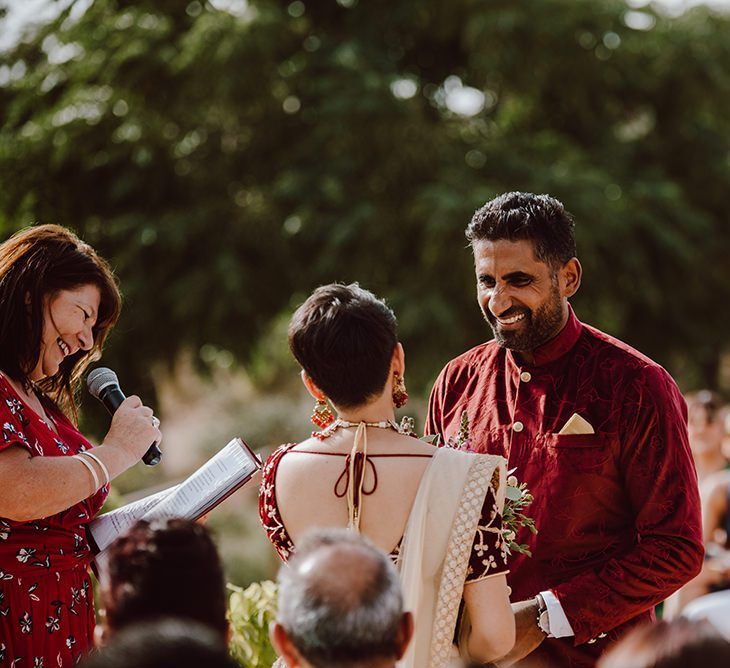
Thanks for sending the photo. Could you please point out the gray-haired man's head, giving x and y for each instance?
(340, 605)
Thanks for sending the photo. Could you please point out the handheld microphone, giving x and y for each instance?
(103, 384)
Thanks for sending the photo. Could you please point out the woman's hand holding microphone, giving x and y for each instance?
(133, 429)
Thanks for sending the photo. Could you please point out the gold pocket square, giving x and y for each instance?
(576, 425)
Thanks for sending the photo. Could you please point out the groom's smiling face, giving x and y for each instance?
(520, 296)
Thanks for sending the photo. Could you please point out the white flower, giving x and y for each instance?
(26, 623)
(512, 481)
(25, 554)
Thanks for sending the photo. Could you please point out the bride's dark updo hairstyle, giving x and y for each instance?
(344, 337)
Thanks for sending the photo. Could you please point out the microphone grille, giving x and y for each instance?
(100, 378)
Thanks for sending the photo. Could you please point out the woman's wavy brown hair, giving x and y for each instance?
(36, 263)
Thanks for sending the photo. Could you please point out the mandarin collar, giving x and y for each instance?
(556, 347)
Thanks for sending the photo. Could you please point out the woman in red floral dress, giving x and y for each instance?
(58, 300)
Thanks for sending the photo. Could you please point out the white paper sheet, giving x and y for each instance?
(105, 528)
(203, 490)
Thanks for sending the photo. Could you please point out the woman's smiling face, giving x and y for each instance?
(68, 319)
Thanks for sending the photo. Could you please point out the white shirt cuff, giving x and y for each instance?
(559, 625)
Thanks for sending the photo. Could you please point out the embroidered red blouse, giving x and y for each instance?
(617, 511)
(487, 555)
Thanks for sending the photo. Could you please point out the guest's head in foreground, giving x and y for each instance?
(345, 339)
(340, 605)
(526, 267)
(171, 643)
(165, 568)
(678, 644)
(58, 301)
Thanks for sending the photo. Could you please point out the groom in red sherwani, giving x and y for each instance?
(597, 431)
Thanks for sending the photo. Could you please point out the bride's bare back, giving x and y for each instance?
(305, 484)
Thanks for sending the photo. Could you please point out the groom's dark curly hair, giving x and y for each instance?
(519, 216)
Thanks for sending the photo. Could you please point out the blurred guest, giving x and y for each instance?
(706, 433)
(714, 608)
(725, 417)
(58, 302)
(716, 517)
(715, 573)
(678, 644)
(367, 472)
(164, 644)
(165, 568)
(340, 605)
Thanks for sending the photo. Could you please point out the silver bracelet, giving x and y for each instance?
(89, 466)
(101, 464)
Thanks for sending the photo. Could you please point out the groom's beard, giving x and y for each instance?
(536, 328)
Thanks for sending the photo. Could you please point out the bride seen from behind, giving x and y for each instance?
(436, 511)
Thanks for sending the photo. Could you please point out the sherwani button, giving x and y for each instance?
(525, 376)
(592, 640)
(518, 426)
(602, 635)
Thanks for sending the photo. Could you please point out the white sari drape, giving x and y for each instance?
(436, 547)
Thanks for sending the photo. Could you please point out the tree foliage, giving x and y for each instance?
(229, 156)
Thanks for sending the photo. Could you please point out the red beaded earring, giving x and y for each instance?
(400, 396)
(322, 416)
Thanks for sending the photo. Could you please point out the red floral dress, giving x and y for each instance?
(46, 603)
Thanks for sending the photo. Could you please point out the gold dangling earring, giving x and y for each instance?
(322, 416)
(400, 396)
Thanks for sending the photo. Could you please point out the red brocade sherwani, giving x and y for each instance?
(617, 511)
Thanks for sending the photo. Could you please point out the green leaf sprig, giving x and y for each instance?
(517, 498)
(250, 611)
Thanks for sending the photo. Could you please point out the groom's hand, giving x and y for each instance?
(528, 633)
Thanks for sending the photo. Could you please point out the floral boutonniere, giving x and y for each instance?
(462, 441)
(517, 498)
